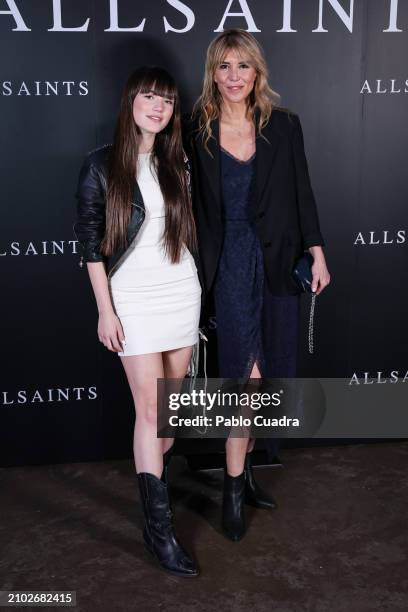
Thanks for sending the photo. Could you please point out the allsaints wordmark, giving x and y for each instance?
(42, 396)
(381, 237)
(379, 378)
(228, 12)
(44, 88)
(45, 247)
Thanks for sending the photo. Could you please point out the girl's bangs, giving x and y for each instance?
(160, 85)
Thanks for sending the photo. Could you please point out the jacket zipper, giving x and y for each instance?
(81, 261)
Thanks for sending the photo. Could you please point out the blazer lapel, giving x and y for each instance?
(211, 163)
(266, 148)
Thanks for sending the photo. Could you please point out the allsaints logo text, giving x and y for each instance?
(381, 237)
(229, 11)
(46, 247)
(41, 396)
(383, 86)
(44, 88)
(379, 378)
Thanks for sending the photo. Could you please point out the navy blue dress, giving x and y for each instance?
(252, 324)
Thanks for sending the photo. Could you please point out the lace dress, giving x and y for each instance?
(252, 324)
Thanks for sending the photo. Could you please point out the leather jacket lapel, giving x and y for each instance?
(138, 213)
(137, 196)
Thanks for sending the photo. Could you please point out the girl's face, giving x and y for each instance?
(235, 77)
(151, 112)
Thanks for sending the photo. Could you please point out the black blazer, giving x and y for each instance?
(284, 211)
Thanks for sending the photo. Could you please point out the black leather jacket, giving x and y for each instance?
(89, 227)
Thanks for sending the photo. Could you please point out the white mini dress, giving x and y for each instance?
(158, 302)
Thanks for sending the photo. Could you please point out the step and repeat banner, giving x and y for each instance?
(341, 65)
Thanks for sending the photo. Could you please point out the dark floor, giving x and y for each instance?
(337, 542)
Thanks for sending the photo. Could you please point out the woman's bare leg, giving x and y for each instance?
(142, 372)
(236, 448)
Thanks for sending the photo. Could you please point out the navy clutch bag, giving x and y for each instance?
(302, 274)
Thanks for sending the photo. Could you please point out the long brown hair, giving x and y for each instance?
(168, 158)
(262, 97)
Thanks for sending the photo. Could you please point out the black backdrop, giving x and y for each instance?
(63, 396)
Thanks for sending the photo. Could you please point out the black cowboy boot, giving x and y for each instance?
(166, 462)
(165, 474)
(254, 495)
(158, 533)
(233, 516)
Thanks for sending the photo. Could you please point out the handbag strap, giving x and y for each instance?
(311, 322)
(193, 371)
(195, 359)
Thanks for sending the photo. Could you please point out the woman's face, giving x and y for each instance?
(152, 112)
(235, 77)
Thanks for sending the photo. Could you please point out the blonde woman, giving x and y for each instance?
(255, 214)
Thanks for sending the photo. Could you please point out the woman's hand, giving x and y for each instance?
(321, 276)
(110, 331)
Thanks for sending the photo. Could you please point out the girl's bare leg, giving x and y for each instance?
(142, 372)
(175, 365)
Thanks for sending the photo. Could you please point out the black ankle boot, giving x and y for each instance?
(158, 534)
(254, 496)
(233, 516)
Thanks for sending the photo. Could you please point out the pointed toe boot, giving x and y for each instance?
(159, 534)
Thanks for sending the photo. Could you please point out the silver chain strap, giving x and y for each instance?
(193, 372)
(311, 322)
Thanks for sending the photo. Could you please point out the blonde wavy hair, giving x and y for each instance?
(262, 97)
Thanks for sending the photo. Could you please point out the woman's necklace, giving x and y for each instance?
(243, 131)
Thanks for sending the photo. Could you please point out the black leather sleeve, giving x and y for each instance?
(309, 220)
(90, 224)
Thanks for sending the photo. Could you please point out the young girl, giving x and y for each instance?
(136, 228)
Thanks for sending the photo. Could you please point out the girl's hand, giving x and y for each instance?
(321, 276)
(110, 331)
